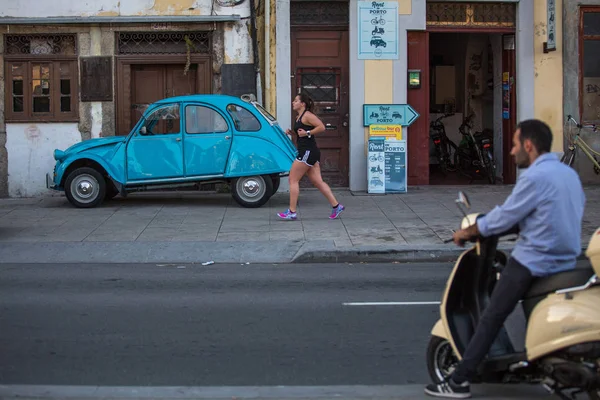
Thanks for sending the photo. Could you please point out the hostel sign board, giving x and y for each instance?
(378, 30)
(395, 166)
(389, 114)
(386, 166)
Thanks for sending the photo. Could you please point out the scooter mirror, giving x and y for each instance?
(463, 199)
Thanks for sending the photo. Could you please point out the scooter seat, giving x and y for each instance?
(562, 280)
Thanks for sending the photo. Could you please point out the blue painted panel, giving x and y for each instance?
(206, 154)
(154, 157)
(207, 140)
(253, 155)
(158, 153)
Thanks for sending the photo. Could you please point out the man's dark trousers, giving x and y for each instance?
(514, 282)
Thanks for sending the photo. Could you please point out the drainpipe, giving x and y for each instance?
(255, 51)
(268, 54)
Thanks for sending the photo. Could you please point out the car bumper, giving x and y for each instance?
(50, 181)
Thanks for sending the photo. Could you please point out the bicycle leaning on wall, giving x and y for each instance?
(573, 131)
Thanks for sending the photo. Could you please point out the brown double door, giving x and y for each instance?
(150, 83)
(320, 67)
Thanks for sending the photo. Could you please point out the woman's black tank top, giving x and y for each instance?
(305, 141)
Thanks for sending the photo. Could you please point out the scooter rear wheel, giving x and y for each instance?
(441, 360)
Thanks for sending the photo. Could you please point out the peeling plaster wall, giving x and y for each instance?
(35, 8)
(3, 147)
(548, 73)
(26, 149)
(238, 43)
(30, 157)
(571, 68)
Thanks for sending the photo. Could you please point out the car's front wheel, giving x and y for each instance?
(85, 187)
(252, 191)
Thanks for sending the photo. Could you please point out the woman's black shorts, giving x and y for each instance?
(309, 156)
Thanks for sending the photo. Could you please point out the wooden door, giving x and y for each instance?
(147, 81)
(509, 107)
(147, 86)
(179, 82)
(320, 67)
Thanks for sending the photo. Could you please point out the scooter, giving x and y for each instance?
(552, 337)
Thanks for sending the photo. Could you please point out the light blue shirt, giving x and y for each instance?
(547, 202)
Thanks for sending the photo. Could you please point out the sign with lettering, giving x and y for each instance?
(395, 166)
(389, 131)
(386, 166)
(376, 165)
(389, 114)
(378, 30)
(551, 16)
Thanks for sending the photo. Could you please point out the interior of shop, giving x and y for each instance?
(465, 95)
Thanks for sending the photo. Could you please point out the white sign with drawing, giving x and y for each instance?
(378, 30)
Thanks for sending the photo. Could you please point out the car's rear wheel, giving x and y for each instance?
(252, 191)
(85, 187)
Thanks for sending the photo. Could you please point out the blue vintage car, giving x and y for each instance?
(177, 142)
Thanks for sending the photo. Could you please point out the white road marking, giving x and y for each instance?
(394, 303)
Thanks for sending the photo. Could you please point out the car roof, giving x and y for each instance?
(217, 99)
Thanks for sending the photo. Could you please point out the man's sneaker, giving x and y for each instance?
(449, 389)
(337, 211)
(287, 215)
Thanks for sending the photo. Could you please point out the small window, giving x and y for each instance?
(44, 91)
(200, 119)
(164, 121)
(41, 78)
(264, 112)
(243, 119)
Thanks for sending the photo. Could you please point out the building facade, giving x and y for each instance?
(486, 58)
(93, 70)
(79, 70)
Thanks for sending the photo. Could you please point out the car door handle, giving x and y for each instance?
(226, 137)
(178, 139)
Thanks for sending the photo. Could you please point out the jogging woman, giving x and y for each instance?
(307, 162)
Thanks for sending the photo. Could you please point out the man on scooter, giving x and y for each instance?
(547, 203)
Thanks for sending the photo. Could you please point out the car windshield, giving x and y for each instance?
(264, 112)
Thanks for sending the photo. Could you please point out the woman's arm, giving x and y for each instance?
(315, 121)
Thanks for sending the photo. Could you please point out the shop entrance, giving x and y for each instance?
(467, 61)
(466, 97)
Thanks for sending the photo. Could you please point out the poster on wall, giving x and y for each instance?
(395, 166)
(505, 96)
(378, 30)
(376, 165)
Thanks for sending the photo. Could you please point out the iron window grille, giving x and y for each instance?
(163, 43)
(321, 84)
(471, 15)
(41, 44)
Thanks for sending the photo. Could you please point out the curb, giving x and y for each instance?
(373, 254)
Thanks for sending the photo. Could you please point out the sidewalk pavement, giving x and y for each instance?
(195, 227)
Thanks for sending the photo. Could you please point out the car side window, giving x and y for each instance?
(165, 120)
(200, 119)
(243, 119)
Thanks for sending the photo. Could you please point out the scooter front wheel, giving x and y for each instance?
(441, 360)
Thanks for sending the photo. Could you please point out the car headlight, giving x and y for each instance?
(59, 155)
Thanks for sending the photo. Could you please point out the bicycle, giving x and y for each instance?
(444, 147)
(576, 141)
